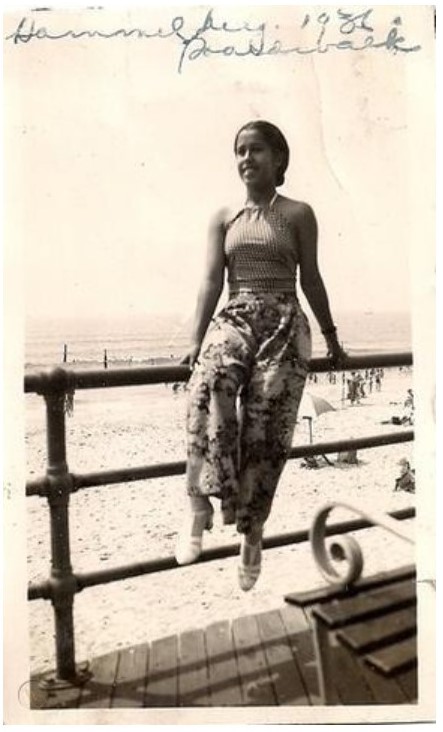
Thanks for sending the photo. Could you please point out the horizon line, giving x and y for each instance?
(180, 315)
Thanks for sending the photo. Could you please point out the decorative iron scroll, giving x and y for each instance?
(345, 551)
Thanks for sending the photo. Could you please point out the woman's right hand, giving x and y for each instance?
(191, 356)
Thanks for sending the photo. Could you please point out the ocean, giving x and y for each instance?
(150, 339)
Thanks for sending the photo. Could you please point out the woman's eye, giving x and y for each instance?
(241, 151)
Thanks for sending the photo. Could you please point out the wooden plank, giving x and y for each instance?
(63, 698)
(371, 634)
(330, 592)
(52, 698)
(350, 684)
(224, 681)
(252, 667)
(408, 682)
(97, 692)
(161, 686)
(394, 658)
(384, 689)
(285, 674)
(295, 620)
(38, 698)
(301, 640)
(193, 679)
(130, 679)
(348, 610)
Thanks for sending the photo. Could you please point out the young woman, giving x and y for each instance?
(250, 362)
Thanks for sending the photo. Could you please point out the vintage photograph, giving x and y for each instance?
(220, 387)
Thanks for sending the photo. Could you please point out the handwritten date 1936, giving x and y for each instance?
(340, 30)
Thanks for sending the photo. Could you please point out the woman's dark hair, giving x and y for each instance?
(276, 141)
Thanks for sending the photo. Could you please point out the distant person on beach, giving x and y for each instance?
(406, 479)
(409, 408)
(408, 411)
(354, 388)
(250, 362)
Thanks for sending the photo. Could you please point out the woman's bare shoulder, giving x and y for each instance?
(224, 215)
(296, 211)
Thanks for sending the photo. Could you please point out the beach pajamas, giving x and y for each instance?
(246, 386)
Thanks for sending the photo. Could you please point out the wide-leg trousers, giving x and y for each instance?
(243, 399)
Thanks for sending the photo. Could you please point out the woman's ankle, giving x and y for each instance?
(200, 503)
(255, 534)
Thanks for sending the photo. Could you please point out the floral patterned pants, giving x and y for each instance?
(243, 398)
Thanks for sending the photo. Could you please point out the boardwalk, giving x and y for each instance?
(266, 659)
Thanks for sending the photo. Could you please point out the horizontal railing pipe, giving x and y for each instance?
(357, 443)
(37, 487)
(40, 591)
(162, 470)
(114, 574)
(125, 475)
(100, 378)
(97, 379)
(368, 361)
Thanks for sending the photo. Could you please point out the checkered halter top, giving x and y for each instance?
(261, 250)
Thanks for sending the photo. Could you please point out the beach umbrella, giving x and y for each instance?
(313, 406)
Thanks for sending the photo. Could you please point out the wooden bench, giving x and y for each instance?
(365, 639)
(365, 630)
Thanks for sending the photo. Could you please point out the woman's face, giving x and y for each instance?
(257, 162)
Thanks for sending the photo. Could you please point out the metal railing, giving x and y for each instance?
(58, 483)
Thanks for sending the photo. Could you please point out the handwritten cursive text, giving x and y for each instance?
(340, 30)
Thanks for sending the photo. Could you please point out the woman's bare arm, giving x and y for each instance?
(311, 280)
(211, 286)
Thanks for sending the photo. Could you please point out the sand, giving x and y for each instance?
(120, 524)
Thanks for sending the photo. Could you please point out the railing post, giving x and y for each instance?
(62, 579)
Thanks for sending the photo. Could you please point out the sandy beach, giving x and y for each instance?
(116, 525)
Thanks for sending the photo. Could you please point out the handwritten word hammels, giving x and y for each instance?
(340, 30)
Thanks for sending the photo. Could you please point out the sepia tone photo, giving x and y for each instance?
(219, 371)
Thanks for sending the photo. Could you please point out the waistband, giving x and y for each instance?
(268, 286)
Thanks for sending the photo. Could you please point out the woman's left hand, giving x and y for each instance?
(337, 355)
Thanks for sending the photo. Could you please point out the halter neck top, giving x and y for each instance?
(261, 250)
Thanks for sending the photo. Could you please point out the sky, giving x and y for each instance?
(115, 160)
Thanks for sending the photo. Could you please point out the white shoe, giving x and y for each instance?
(190, 538)
(250, 564)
